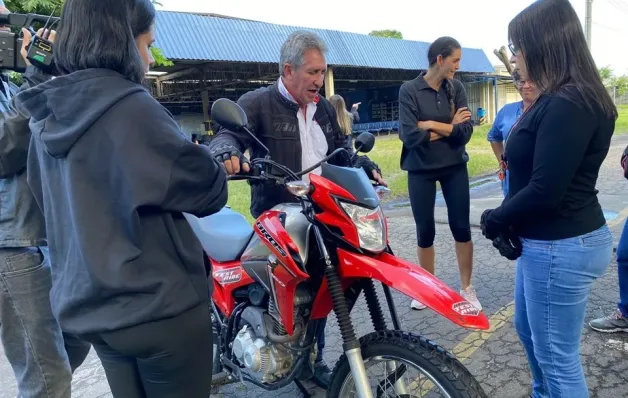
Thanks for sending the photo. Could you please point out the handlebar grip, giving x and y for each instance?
(238, 178)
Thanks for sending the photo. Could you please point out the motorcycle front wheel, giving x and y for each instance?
(413, 367)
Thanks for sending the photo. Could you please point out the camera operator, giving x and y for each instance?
(31, 337)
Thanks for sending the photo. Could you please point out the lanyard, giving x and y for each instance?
(503, 164)
(516, 123)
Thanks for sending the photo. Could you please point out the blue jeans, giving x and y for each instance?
(622, 271)
(42, 358)
(551, 291)
(505, 185)
(320, 338)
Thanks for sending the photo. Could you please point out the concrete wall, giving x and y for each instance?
(507, 94)
(190, 123)
(477, 98)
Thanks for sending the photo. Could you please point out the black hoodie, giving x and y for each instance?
(113, 173)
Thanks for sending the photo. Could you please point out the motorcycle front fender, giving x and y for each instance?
(415, 282)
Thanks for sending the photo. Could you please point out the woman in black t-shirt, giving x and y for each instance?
(553, 156)
(435, 126)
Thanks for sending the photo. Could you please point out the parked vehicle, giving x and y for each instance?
(298, 261)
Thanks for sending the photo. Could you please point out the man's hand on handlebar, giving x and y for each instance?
(378, 178)
(234, 161)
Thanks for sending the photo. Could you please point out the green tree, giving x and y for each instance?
(610, 80)
(607, 75)
(622, 85)
(43, 7)
(160, 58)
(393, 34)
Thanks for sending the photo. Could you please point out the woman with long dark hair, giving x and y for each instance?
(113, 174)
(553, 157)
(435, 126)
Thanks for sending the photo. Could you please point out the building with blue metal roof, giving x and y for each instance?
(237, 40)
(217, 56)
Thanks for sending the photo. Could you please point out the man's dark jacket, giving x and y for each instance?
(273, 120)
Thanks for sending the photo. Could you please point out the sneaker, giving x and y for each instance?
(470, 295)
(417, 305)
(615, 322)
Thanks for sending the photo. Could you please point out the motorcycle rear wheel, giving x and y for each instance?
(450, 375)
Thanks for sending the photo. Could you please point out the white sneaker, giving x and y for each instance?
(470, 295)
(417, 305)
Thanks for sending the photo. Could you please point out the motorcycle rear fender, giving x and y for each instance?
(409, 279)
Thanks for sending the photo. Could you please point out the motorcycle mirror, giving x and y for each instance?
(231, 116)
(364, 142)
(228, 114)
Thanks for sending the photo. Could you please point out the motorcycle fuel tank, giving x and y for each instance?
(256, 255)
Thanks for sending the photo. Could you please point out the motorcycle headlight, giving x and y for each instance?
(370, 224)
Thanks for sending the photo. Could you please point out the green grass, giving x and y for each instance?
(621, 125)
(387, 152)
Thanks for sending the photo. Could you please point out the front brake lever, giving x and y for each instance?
(382, 191)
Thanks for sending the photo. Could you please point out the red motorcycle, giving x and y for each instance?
(274, 280)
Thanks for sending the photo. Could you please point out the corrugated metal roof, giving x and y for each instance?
(184, 36)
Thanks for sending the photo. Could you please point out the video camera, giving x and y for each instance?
(39, 49)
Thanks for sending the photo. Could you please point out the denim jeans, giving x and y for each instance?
(320, 338)
(41, 356)
(622, 271)
(552, 287)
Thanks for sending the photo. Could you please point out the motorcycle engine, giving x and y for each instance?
(270, 361)
(254, 347)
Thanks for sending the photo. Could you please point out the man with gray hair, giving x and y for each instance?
(298, 126)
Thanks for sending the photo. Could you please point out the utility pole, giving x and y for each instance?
(588, 19)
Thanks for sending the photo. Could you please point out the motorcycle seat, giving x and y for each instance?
(224, 235)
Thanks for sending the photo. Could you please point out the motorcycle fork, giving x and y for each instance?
(379, 323)
(351, 345)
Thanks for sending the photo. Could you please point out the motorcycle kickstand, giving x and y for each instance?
(303, 389)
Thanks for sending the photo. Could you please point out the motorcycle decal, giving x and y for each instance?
(285, 273)
(269, 238)
(227, 276)
(465, 308)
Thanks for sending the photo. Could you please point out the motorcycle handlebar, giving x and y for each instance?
(287, 171)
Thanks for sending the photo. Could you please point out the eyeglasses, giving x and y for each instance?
(512, 49)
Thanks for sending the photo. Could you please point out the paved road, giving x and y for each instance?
(496, 358)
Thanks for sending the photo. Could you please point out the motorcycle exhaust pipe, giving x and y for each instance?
(281, 339)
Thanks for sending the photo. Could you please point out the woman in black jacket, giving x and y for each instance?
(553, 156)
(435, 126)
(113, 174)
